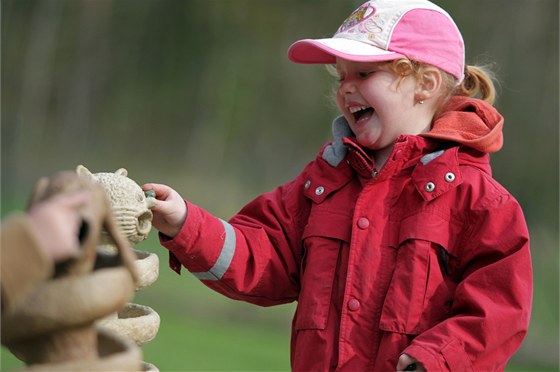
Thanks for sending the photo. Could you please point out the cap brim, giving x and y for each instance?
(325, 51)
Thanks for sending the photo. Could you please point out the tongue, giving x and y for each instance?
(364, 115)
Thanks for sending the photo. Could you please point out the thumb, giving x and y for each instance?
(406, 363)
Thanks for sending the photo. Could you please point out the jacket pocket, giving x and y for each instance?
(323, 239)
(420, 294)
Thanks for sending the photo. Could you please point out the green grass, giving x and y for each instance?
(196, 344)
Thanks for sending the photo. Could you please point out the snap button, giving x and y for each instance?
(450, 177)
(319, 190)
(363, 223)
(353, 304)
(430, 186)
(307, 184)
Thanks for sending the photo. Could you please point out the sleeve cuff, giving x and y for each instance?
(198, 245)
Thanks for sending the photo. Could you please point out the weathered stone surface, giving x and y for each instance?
(131, 208)
(81, 319)
(136, 322)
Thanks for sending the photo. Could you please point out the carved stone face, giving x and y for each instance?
(130, 207)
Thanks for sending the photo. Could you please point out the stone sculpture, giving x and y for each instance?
(54, 327)
(131, 208)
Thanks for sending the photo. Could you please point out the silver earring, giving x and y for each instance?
(421, 102)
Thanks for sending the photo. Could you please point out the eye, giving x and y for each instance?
(365, 74)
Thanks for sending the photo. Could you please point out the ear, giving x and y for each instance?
(83, 171)
(121, 172)
(429, 84)
(39, 191)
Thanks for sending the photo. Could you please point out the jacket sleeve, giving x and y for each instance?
(255, 257)
(492, 303)
(23, 263)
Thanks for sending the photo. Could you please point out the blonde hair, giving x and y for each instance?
(478, 81)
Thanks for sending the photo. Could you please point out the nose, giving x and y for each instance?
(348, 86)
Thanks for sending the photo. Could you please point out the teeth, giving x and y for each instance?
(355, 109)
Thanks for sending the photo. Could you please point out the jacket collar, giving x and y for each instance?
(344, 141)
(435, 162)
(336, 151)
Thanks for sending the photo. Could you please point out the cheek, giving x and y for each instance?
(407, 91)
(339, 100)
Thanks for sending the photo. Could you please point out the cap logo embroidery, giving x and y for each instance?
(358, 16)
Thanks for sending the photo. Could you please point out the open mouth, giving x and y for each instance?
(361, 112)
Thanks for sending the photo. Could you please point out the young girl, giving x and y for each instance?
(401, 250)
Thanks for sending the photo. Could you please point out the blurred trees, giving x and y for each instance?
(199, 94)
(170, 87)
(175, 87)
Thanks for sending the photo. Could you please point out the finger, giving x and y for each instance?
(162, 191)
(148, 186)
(165, 207)
(153, 186)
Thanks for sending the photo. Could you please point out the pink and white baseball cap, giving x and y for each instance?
(384, 30)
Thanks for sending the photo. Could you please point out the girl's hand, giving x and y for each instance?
(170, 211)
(407, 363)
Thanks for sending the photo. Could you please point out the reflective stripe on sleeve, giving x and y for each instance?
(226, 255)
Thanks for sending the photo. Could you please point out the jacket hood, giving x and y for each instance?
(470, 122)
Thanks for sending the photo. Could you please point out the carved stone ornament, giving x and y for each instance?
(131, 208)
(81, 318)
(54, 327)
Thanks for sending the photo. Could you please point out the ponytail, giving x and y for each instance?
(478, 82)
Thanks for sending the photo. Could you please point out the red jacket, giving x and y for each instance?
(428, 257)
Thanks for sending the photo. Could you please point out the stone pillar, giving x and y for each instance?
(131, 209)
(138, 323)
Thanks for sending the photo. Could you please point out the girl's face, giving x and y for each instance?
(378, 104)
